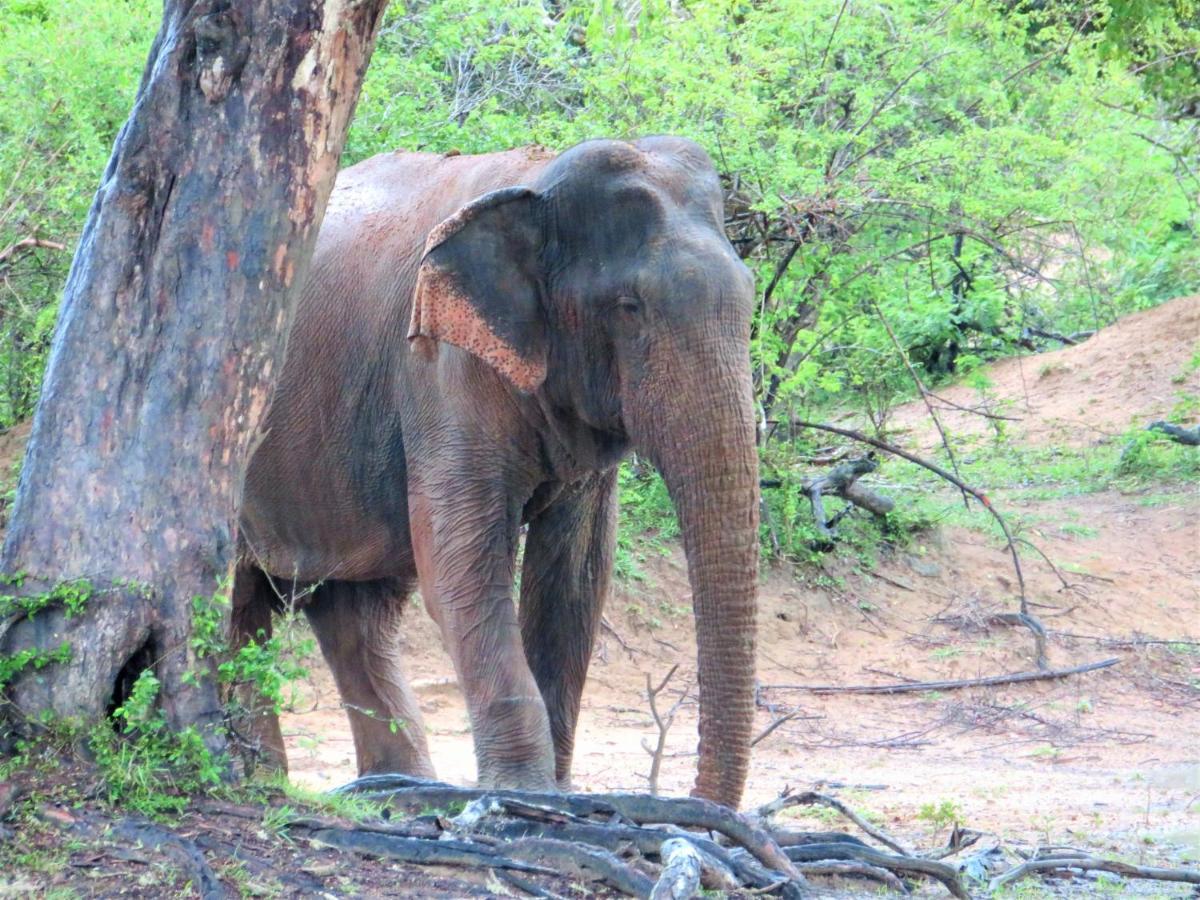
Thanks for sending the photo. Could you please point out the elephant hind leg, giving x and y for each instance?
(357, 625)
(261, 738)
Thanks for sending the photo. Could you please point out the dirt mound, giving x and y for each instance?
(1126, 375)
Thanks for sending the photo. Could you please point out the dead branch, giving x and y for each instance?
(1069, 340)
(918, 686)
(812, 798)
(581, 861)
(612, 839)
(1125, 642)
(766, 732)
(720, 868)
(1084, 863)
(842, 481)
(663, 723)
(680, 878)
(1035, 628)
(962, 486)
(1187, 436)
(418, 850)
(25, 245)
(856, 870)
(608, 626)
(908, 865)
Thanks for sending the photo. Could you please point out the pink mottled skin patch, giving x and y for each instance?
(444, 313)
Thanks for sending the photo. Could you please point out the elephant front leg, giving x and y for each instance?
(564, 583)
(465, 547)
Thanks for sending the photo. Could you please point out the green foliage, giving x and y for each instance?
(1150, 456)
(647, 519)
(72, 596)
(963, 173)
(905, 179)
(149, 765)
(69, 70)
(271, 665)
(946, 814)
(13, 664)
(146, 764)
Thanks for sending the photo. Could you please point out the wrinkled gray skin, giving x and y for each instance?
(480, 341)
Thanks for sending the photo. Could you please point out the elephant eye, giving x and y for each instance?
(629, 306)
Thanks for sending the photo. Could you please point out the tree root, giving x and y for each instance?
(901, 865)
(809, 798)
(596, 836)
(1085, 863)
(139, 832)
(684, 812)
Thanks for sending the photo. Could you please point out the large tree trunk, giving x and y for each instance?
(172, 332)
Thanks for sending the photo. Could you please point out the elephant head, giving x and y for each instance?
(608, 287)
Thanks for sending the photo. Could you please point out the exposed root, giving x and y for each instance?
(1066, 862)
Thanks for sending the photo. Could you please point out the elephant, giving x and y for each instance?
(478, 342)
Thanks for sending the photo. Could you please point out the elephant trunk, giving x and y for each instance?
(705, 450)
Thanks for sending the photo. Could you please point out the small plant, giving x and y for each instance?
(72, 596)
(146, 764)
(946, 814)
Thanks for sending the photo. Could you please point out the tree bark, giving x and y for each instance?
(173, 329)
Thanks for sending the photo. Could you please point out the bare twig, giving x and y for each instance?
(912, 373)
(766, 732)
(919, 686)
(24, 245)
(663, 723)
(961, 485)
(812, 798)
(608, 626)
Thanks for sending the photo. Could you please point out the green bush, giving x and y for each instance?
(938, 178)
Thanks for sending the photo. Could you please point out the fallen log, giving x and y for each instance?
(1187, 436)
(680, 878)
(581, 862)
(850, 868)
(904, 865)
(909, 687)
(812, 798)
(841, 482)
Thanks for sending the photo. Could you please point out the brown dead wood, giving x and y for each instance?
(1065, 862)
(918, 686)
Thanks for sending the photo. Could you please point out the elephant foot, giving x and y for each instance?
(535, 775)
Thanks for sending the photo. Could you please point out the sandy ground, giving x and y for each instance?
(1108, 760)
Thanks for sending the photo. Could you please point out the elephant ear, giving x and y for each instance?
(477, 286)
